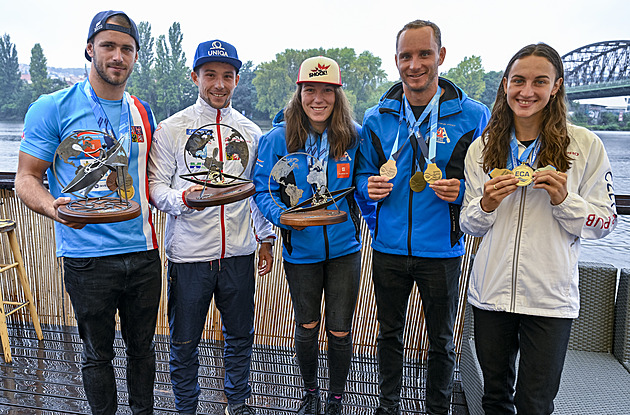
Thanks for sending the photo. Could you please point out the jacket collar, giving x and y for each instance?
(202, 107)
(450, 101)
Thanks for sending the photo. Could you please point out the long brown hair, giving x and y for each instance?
(342, 133)
(554, 136)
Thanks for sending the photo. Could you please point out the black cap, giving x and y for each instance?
(99, 24)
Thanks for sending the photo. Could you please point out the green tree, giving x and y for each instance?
(142, 82)
(10, 82)
(39, 72)
(361, 76)
(492, 80)
(468, 75)
(245, 96)
(175, 90)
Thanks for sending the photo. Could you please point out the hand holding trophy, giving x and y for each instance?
(93, 159)
(221, 180)
(311, 211)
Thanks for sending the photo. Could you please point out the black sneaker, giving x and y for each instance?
(310, 404)
(381, 410)
(240, 409)
(333, 408)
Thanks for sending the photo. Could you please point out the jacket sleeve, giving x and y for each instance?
(483, 121)
(262, 227)
(367, 162)
(590, 213)
(162, 174)
(267, 157)
(473, 220)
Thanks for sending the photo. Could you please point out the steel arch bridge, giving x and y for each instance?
(598, 70)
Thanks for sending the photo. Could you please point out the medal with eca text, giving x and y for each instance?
(521, 164)
(417, 182)
(524, 174)
(389, 169)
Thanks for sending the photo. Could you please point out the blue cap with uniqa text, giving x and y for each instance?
(216, 51)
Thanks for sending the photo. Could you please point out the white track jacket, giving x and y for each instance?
(215, 232)
(527, 262)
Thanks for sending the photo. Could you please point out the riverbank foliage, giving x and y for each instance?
(162, 78)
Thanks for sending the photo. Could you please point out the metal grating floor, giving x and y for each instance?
(45, 378)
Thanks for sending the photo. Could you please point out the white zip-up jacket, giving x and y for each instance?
(527, 262)
(215, 232)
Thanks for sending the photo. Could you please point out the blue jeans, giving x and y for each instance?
(131, 284)
(338, 279)
(191, 287)
(438, 282)
(543, 345)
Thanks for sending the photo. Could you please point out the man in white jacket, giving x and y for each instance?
(210, 251)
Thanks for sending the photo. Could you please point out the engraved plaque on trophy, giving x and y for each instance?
(222, 180)
(313, 210)
(101, 186)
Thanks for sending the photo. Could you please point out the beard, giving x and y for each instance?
(101, 70)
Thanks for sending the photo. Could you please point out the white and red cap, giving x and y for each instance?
(319, 69)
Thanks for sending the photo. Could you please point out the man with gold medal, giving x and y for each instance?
(411, 162)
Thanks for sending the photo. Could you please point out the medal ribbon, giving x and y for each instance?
(124, 127)
(320, 154)
(413, 126)
(531, 150)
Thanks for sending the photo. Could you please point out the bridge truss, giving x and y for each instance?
(598, 70)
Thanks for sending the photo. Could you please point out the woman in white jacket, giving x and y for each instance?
(535, 185)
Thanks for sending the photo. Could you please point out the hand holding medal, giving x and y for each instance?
(554, 182)
(503, 184)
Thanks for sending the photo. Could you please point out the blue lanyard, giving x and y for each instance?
(320, 153)
(124, 127)
(532, 150)
(413, 125)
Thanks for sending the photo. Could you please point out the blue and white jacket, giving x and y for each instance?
(313, 243)
(409, 223)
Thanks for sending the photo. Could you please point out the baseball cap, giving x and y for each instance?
(98, 24)
(319, 69)
(216, 51)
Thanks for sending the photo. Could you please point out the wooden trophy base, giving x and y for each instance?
(317, 217)
(215, 196)
(99, 210)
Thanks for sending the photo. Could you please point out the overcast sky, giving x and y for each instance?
(491, 29)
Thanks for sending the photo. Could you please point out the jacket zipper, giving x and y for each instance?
(517, 244)
(222, 207)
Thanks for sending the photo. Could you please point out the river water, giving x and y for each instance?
(614, 249)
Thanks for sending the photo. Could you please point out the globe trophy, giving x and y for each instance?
(93, 159)
(221, 180)
(313, 210)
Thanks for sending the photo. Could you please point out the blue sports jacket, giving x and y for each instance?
(418, 223)
(313, 243)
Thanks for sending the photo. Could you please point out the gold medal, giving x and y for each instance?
(524, 174)
(417, 182)
(128, 195)
(115, 183)
(389, 169)
(500, 172)
(548, 167)
(432, 173)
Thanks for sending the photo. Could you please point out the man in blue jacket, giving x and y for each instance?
(413, 146)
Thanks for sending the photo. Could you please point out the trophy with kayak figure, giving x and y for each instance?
(101, 187)
(218, 171)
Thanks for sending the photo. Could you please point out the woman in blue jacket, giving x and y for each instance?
(317, 259)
